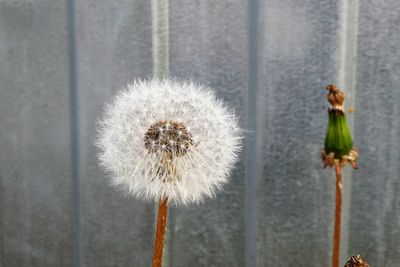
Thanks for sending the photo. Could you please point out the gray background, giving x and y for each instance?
(61, 60)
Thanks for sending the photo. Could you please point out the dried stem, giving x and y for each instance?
(160, 232)
(338, 216)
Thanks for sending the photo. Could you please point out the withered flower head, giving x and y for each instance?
(335, 96)
(165, 138)
(356, 261)
(338, 140)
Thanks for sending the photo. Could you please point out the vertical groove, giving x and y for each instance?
(347, 81)
(160, 51)
(250, 145)
(74, 132)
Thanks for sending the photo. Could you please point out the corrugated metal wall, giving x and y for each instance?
(61, 60)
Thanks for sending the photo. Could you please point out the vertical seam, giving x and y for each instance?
(74, 133)
(250, 144)
(160, 33)
(160, 51)
(347, 80)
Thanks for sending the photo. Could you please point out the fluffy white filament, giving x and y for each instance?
(216, 140)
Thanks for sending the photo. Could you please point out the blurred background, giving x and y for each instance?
(269, 59)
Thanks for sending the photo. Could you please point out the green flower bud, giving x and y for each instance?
(338, 142)
(338, 137)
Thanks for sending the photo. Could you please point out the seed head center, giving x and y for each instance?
(168, 137)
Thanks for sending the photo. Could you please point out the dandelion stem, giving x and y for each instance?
(338, 215)
(160, 232)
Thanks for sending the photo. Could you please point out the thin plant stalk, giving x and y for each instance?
(338, 216)
(160, 232)
(337, 152)
(162, 215)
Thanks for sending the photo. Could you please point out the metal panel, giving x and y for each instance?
(375, 202)
(113, 47)
(36, 215)
(297, 57)
(208, 42)
(270, 60)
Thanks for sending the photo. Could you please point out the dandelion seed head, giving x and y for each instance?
(166, 138)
